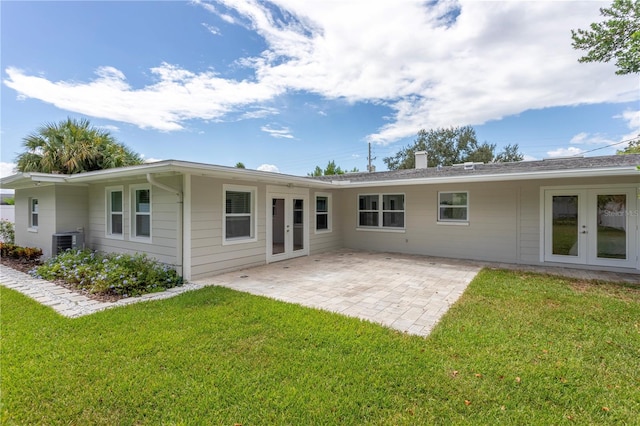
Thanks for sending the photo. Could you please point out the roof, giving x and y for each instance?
(612, 165)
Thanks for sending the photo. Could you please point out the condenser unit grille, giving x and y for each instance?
(66, 241)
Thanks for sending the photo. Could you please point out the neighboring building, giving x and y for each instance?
(208, 219)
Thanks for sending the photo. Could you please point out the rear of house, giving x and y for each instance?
(206, 219)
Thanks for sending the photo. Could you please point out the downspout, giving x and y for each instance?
(179, 236)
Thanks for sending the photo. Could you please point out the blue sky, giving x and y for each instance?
(288, 85)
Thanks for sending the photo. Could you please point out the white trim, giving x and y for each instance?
(380, 210)
(588, 194)
(288, 194)
(253, 190)
(186, 227)
(30, 226)
(454, 221)
(329, 213)
(133, 213)
(107, 212)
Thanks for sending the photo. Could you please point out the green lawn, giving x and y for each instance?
(516, 349)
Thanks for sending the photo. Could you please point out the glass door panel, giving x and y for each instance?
(565, 225)
(278, 226)
(611, 236)
(298, 224)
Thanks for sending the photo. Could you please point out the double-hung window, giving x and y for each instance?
(115, 212)
(239, 223)
(141, 212)
(453, 207)
(384, 211)
(323, 212)
(33, 213)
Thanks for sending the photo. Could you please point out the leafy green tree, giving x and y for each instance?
(618, 36)
(632, 148)
(510, 153)
(73, 146)
(447, 146)
(240, 165)
(331, 169)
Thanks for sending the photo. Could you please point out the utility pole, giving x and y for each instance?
(370, 168)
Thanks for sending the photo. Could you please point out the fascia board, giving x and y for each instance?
(557, 174)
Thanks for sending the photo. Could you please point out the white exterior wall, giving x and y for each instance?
(40, 237)
(490, 235)
(164, 221)
(321, 241)
(504, 220)
(72, 208)
(208, 253)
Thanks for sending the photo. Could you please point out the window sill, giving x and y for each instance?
(146, 240)
(34, 230)
(378, 229)
(116, 237)
(322, 231)
(452, 223)
(239, 240)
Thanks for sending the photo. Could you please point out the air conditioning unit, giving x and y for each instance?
(66, 241)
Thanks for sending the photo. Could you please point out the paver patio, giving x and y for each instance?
(407, 293)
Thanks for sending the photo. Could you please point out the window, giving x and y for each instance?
(141, 212)
(381, 211)
(114, 212)
(453, 206)
(33, 213)
(239, 214)
(323, 215)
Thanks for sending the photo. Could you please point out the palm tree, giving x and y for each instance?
(73, 146)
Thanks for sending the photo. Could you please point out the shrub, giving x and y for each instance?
(114, 274)
(27, 254)
(7, 232)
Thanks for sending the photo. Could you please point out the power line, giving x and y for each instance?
(606, 146)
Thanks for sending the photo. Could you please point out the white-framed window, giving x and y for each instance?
(323, 212)
(114, 212)
(141, 211)
(239, 222)
(383, 211)
(33, 213)
(453, 207)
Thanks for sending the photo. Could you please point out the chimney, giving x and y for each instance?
(421, 159)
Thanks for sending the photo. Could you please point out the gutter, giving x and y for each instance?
(179, 220)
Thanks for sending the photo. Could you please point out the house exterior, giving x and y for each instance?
(206, 219)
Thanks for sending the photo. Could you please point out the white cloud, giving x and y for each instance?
(493, 60)
(213, 30)
(109, 127)
(268, 168)
(282, 132)
(590, 139)
(565, 152)
(7, 169)
(152, 160)
(633, 122)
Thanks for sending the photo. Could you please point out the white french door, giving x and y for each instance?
(287, 223)
(594, 226)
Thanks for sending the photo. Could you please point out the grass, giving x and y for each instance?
(516, 349)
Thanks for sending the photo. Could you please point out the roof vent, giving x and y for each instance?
(469, 165)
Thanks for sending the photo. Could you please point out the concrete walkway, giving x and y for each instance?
(404, 292)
